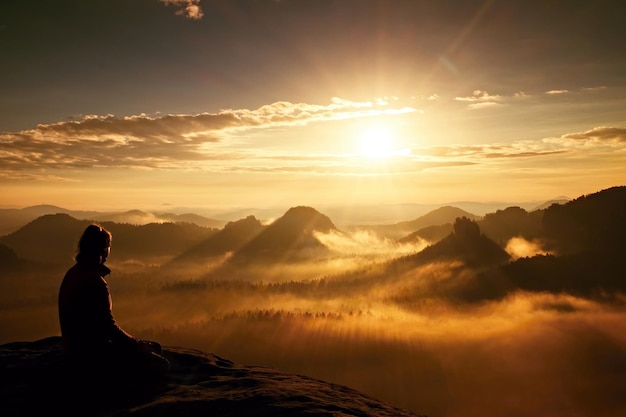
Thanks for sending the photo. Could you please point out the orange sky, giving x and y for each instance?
(199, 103)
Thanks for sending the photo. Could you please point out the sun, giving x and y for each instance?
(376, 143)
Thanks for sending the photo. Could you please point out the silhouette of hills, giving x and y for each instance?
(139, 217)
(440, 216)
(466, 244)
(432, 234)
(511, 222)
(594, 222)
(33, 382)
(52, 239)
(587, 235)
(346, 216)
(231, 238)
(12, 219)
(288, 238)
(558, 200)
(466, 249)
(9, 261)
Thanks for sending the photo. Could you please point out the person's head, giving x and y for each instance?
(94, 245)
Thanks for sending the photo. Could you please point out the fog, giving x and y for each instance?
(354, 318)
(518, 247)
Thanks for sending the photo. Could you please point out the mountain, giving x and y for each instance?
(12, 219)
(231, 238)
(586, 238)
(139, 217)
(558, 200)
(432, 234)
(190, 218)
(594, 222)
(53, 239)
(466, 244)
(288, 238)
(9, 261)
(43, 209)
(33, 382)
(512, 222)
(440, 216)
(260, 213)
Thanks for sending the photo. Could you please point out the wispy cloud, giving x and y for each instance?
(478, 153)
(481, 100)
(480, 96)
(229, 141)
(483, 105)
(600, 134)
(598, 88)
(151, 142)
(556, 92)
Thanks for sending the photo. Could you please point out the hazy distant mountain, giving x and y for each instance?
(262, 214)
(43, 209)
(190, 218)
(12, 219)
(53, 238)
(231, 238)
(432, 234)
(288, 238)
(558, 200)
(139, 217)
(440, 216)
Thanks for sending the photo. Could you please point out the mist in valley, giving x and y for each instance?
(463, 326)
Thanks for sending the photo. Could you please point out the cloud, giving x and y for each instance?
(189, 8)
(591, 89)
(165, 141)
(484, 105)
(600, 134)
(480, 96)
(337, 165)
(556, 92)
(481, 100)
(477, 153)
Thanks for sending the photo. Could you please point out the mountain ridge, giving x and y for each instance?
(231, 238)
(288, 238)
(441, 216)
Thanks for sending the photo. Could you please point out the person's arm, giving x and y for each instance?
(105, 317)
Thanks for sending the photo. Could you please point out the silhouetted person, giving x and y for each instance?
(95, 346)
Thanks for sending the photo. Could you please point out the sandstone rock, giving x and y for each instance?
(34, 381)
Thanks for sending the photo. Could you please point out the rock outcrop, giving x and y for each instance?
(33, 381)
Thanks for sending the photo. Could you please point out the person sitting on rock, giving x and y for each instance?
(92, 340)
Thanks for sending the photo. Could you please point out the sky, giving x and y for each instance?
(123, 104)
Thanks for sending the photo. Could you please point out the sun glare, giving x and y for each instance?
(377, 143)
